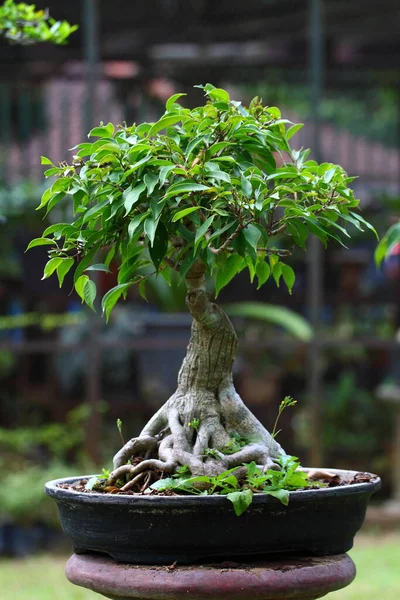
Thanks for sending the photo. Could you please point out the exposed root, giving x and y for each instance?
(195, 425)
(131, 484)
(145, 465)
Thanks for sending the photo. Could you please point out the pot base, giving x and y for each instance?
(301, 578)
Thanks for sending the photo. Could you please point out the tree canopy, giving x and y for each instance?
(22, 23)
(219, 182)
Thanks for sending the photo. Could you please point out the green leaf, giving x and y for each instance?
(135, 222)
(202, 230)
(263, 272)
(99, 267)
(234, 265)
(112, 296)
(51, 266)
(184, 187)
(288, 276)
(79, 285)
(292, 130)
(40, 242)
(63, 269)
(163, 123)
(293, 323)
(171, 101)
(182, 213)
(89, 293)
(246, 187)
(218, 94)
(102, 131)
(252, 235)
(150, 226)
(281, 495)
(277, 272)
(131, 196)
(97, 209)
(240, 500)
(45, 161)
(159, 248)
(142, 289)
(150, 180)
(364, 222)
(86, 260)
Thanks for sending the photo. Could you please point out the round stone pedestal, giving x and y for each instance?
(296, 578)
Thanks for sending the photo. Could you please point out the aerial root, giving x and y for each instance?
(145, 445)
(145, 465)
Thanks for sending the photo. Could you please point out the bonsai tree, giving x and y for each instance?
(206, 193)
(22, 23)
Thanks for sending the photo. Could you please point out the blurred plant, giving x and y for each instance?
(354, 423)
(388, 244)
(46, 322)
(17, 215)
(22, 23)
(30, 456)
(289, 320)
(52, 439)
(371, 115)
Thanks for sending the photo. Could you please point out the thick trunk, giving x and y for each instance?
(205, 411)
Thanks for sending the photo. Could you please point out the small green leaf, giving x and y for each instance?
(40, 242)
(99, 267)
(150, 226)
(51, 266)
(218, 94)
(182, 213)
(159, 248)
(134, 224)
(112, 296)
(171, 101)
(364, 222)
(234, 265)
(246, 187)
(103, 131)
(63, 269)
(240, 500)
(263, 272)
(281, 495)
(151, 180)
(163, 123)
(292, 130)
(142, 289)
(131, 196)
(277, 272)
(184, 187)
(288, 276)
(45, 161)
(89, 293)
(202, 230)
(252, 235)
(79, 285)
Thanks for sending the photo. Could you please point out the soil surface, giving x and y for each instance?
(143, 487)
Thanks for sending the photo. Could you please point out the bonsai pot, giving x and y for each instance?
(143, 529)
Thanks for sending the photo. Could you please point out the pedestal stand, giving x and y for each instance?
(297, 578)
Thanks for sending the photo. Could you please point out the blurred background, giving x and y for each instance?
(64, 376)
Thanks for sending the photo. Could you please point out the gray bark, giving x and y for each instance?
(206, 393)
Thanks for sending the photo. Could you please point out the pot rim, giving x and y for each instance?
(52, 489)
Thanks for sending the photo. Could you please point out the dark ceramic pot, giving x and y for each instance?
(187, 529)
